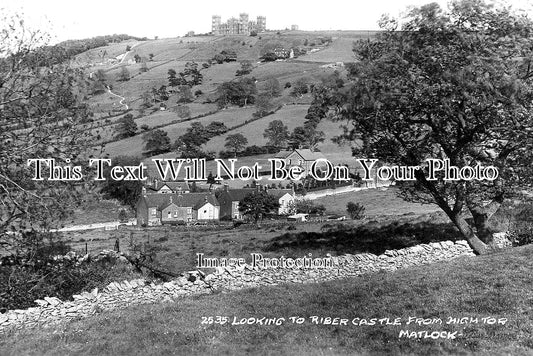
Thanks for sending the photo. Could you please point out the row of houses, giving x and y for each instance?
(180, 206)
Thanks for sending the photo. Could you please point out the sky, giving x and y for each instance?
(82, 19)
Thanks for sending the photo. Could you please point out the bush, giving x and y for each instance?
(356, 210)
(39, 273)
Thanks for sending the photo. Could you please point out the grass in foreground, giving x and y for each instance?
(496, 286)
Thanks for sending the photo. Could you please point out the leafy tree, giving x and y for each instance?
(160, 94)
(258, 204)
(272, 87)
(216, 128)
(128, 48)
(453, 85)
(211, 180)
(137, 58)
(185, 94)
(156, 142)
(183, 111)
(151, 56)
(127, 192)
(246, 68)
(40, 117)
(124, 75)
(300, 87)
(269, 57)
(241, 92)
(147, 100)
(126, 127)
(264, 105)
(306, 136)
(277, 133)
(173, 79)
(355, 210)
(236, 143)
(191, 74)
(306, 206)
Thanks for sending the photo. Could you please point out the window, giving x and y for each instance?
(153, 211)
(189, 211)
(169, 214)
(175, 213)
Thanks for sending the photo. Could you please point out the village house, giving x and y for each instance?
(300, 157)
(157, 209)
(229, 200)
(167, 187)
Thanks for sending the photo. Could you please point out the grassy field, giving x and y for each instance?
(495, 286)
(135, 145)
(404, 224)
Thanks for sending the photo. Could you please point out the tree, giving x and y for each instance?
(211, 180)
(173, 79)
(258, 204)
(236, 143)
(156, 142)
(41, 116)
(272, 87)
(277, 134)
(183, 111)
(264, 105)
(126, 127)
(246, 68)
(185, 94)
(300, 87)
(355, 210)
(306, 136)
(269, 57)
(216, 128)
(451, 85)
(124, 75)
(241, 92)
(127, 192)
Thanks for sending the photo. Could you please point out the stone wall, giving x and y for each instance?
(51, 311)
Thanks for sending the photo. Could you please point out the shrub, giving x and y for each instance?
(356, 210)
(24, 283)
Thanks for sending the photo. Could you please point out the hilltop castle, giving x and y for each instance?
(237, 26)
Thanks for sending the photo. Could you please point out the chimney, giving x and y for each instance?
(143, 191)
(170, 196)
(226, 187)
(155, 183)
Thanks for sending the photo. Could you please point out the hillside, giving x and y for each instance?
(159, 56)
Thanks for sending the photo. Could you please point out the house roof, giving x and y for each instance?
(174, 186)
(305, 153)
(188, 200)
(239, 194)
(278, 193)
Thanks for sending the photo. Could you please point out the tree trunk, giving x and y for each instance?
(479, 247)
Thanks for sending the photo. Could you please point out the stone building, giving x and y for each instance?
(237, 26)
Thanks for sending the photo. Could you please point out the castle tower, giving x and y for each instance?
(215, 25)
(244, 25)
(261, 23)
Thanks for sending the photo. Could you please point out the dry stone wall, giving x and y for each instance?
(52, 311)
